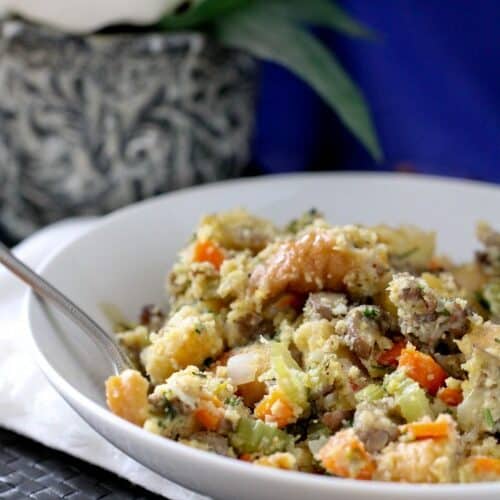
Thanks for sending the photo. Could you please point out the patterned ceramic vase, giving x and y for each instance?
(89, 124)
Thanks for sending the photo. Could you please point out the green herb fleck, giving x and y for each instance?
(199, 328)
(481, 300)
(232, 401)
(170, 411)
(200, 374)
(370, 313)
(497, 340)
(406, 254)
(488, 417)
(444, 312)
(293, 226)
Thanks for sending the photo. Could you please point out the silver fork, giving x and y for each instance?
(49, 293)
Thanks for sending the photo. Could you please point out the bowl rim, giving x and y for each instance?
(224, 464)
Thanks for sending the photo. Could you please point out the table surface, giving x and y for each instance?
(30, 470)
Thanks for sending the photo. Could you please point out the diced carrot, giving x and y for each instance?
(486, 465)
(345, 455)
(390, 356)
(208, 413)
(423, 369)
(426, 430)
(208, 251)
(450, 396)
(209, 419)
(246, 457)
(251, 392)
(275, 408)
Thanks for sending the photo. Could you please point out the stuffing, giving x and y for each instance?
(348, 351)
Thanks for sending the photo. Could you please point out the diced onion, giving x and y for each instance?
(242, 368)
(315, 445)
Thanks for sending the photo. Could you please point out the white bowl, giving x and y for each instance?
(124, 261)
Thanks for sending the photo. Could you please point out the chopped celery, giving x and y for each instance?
(371, 392)
(254, 436)
(491, 293)
(290, 378)
(409, 396)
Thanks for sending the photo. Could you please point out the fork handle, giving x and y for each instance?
(49, 293)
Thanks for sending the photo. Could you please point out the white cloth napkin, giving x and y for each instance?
(28, 403)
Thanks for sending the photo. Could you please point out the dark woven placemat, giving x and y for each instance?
(30, 470)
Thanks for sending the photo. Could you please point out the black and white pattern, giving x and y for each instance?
(89, 124)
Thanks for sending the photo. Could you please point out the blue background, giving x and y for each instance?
(432, 82)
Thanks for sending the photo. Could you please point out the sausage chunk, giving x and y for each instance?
(425, 317)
